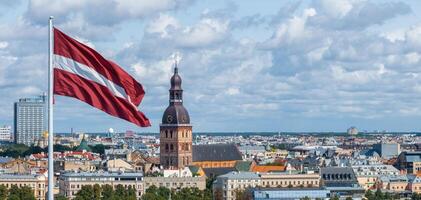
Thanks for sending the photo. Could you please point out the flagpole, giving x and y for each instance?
(50, 110)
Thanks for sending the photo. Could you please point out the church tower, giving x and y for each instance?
(175, 129)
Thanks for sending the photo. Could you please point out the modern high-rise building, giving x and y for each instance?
(30, 119)
(388, 150)
(175, 129)
(5, 134)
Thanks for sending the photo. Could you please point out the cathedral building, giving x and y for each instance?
(175, 129)
(176, 150)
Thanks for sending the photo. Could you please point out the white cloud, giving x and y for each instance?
(4, 45)
(161, 25)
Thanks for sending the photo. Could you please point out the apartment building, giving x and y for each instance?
(233, 182)
(367, 175)
(175, 183)
(38, 183)
(71, 183)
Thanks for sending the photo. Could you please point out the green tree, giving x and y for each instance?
(107, 192)
(60, 197)
(130, 193)
(99, 148)
(3, 192)
(305, 198)
(97, 190)
(61, 148)
(150, 196)
(378, 194)
(415, 196)
(163, 192)
(120, 191)
(334, 198)
(85, 193)
(369, 195)
(348, 198)
(21, 193)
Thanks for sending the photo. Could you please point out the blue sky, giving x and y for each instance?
(321, 65)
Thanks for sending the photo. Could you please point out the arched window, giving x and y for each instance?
(166, 147)
(171, 134)
(172, 147)
(166, 133)
(176, 95)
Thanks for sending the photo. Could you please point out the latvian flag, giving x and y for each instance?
(82, 73)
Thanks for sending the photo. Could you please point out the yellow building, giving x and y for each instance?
(38, 183)
(397, 183)
(290, 180)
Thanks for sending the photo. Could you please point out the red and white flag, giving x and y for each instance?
(82, 73)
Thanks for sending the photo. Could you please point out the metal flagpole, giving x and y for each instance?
(50, 110)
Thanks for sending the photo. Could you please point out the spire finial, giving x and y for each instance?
(176, 60)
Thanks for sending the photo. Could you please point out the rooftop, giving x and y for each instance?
(241, 175)
(216, 152)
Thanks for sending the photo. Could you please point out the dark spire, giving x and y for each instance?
(176, 113)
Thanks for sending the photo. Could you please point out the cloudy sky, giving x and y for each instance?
(321, 65)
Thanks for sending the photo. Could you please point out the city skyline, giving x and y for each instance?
(291, 66)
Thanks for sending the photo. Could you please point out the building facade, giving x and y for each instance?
(38, 183)
(5, 134)
(226, 186)
(175, 129)
(30, 120)
(71, 183)
(367, 175)
(175, 183)
(387, 150)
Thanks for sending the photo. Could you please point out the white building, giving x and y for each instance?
(71, 183)
(185, 172)
(5, 134)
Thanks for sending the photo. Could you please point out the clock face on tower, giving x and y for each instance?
(169, 118)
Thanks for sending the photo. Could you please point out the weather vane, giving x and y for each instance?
(176, 57)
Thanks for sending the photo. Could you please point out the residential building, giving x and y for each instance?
(29, 120)
(414, 183)
(284, 180)
(338, 177)
(341, 181)
(230, 183)
(409, 162)
(367, 175)
(5, 134)
(175, 129)
(71, 183)
(38, 183)
(397, 183)
(175, 183)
